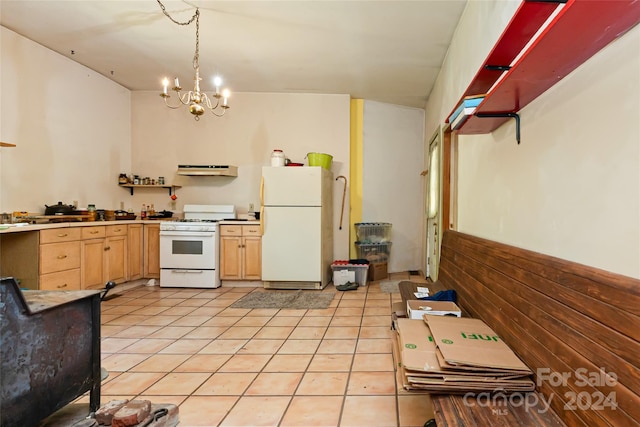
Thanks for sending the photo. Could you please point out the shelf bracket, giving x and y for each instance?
(170, 188)
(511, 115)
(497, 67)
(131, 190)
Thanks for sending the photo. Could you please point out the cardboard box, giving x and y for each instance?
(466, 343)
(418, 357)
(378, 271)
(416, 308)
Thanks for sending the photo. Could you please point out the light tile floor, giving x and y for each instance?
(262, 367)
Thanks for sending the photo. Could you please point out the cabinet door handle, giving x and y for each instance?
(61, 286)
(94, 232)
(63, 235)
(62, 256)
(118, 230)
(106, 248)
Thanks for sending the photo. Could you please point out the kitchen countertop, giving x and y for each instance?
(13, 228)
(239, 222)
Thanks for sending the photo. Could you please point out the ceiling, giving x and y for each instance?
(388, 51)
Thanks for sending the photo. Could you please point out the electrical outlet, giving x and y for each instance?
(250, 207)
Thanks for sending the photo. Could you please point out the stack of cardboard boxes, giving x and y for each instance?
(443, 352)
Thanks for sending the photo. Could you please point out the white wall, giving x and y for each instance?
(392, 187)
(245, 136)
(572, 188)
(71, 127)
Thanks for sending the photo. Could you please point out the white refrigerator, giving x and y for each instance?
(296, 216)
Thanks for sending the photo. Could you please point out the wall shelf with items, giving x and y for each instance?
(172, 188)
(577, 29)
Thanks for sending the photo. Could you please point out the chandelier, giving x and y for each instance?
(196, 100)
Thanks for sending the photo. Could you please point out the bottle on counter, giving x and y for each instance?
(152, 210)
(143, 212)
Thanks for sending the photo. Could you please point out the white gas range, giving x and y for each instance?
(189, 248)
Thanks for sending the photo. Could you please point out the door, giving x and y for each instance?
(433, 208)
(188, 250)
(135, 250)
(116, 252)
(252, 262)
(291, 244)
(151, 254)
(291, 186)
(93, 265)
(230, 257)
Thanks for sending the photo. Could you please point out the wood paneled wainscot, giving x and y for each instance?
(240, 252)
(60, 259)
(104, 255)
(152, 251)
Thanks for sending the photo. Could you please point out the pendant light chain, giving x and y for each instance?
(164, 10)
(196, 56)
(195, 17)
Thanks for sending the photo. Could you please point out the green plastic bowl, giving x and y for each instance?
(320, 159)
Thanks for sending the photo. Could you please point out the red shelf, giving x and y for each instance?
(577, 32)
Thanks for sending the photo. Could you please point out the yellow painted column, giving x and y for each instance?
(355, 167)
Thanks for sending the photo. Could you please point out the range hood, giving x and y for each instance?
(208, 170)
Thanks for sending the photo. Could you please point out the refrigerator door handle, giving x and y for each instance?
(261, 192)
(262, 220)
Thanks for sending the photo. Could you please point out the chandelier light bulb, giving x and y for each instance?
(217, 81)
(225, 97)
(165, 85)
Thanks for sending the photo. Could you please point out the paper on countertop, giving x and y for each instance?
(422, 292)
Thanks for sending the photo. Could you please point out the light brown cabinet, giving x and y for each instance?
(92, 250)
(59, 259)
(135, 242)
(117, 253)
(240, 252)
(151, 251)
(104, 255)
(74, 257)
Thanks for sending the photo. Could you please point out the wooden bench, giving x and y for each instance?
(576, 327)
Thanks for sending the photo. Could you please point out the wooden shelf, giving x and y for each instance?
(172, 188)
(580, 29)
(6, 144)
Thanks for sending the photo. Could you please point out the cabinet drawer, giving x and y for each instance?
(116, 230)
(251, 230)
(231, 230)
(96, 232)
(68, 280)
(57, 235)
(59, 256)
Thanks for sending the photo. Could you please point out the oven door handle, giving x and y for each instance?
(179, 270)
(186, 233)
